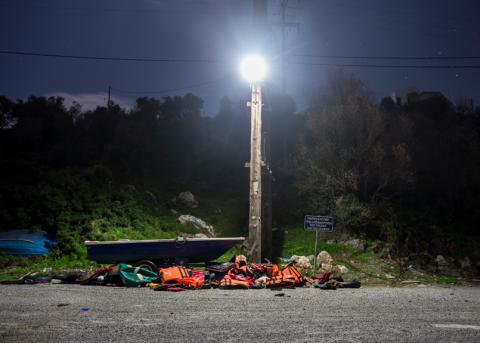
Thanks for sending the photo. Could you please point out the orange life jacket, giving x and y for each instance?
(231, 283)
(191, 282)
(173, 274)
(273, 271)
(293, 272)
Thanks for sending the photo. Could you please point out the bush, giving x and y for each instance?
(81, 204)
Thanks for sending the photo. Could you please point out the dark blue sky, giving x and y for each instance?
(221, 30)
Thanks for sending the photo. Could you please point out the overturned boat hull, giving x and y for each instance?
(191, 250)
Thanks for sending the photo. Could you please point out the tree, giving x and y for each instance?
(6, 106)
(351, 147)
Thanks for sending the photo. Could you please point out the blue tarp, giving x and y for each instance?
(25, 242)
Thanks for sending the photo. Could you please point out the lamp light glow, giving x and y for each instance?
(253, 68)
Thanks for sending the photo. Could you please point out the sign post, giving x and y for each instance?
(317, 224)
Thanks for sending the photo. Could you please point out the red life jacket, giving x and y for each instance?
(238, 275)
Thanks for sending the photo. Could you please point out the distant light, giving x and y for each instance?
(253, 68)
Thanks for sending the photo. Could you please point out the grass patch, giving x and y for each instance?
(14, 267)
(297, 241)
(366, 266)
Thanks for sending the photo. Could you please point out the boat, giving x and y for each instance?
(160, 251)
(25, 242)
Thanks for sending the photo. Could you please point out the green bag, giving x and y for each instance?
(135, 276)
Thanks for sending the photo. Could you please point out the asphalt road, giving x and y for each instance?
(71, 313)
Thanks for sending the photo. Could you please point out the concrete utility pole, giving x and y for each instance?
(255, 213)
(267, 189)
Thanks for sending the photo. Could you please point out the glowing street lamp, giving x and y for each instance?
(254, 69)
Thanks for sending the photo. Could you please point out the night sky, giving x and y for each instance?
(220, 32)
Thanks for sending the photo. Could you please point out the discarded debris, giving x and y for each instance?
(282, 295)
(237, 274)
(34, 279)
(350, 284)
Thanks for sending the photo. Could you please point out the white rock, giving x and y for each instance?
(301, 261)
(389, 276)
(185, 219)
(326, 268)
(324, 257)
(304, 263)
(341, 269)
(294, 259)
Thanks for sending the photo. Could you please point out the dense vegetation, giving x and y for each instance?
(405, 174)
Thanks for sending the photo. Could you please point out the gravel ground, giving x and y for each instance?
(72, 313)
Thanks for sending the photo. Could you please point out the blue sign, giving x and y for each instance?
(318, 223)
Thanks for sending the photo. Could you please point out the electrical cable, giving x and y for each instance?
(104, 58)
(389, 57)
(212, 61)
(394, 66)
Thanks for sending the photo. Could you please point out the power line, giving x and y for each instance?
(104, 58)
(213, 61)
(394, 66)
(390, 57)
